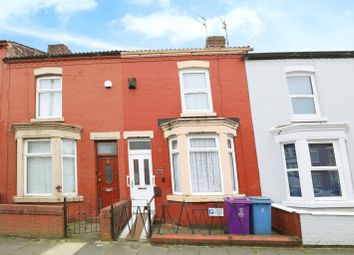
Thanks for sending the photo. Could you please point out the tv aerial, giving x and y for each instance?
(224, 26)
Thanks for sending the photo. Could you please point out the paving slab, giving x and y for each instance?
(36, 247)
(239, 250)
(147, 249)
(10, 245)
(290, 251)
(122, 249)
(182, 250)
(317, 251)
(266, 250)
(67, 248)
(94, 249)
(211, 250)
(341, 251)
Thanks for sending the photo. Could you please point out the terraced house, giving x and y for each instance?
(301, 109)
(111, 126)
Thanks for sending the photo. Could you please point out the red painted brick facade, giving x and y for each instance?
(86, 103)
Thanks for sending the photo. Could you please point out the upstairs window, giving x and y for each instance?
(302, 93)
(195, 91)
(49, 97)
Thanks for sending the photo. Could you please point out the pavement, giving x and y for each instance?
(26, 246)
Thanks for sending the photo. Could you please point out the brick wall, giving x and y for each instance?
(32, 220)
(286, 222)
(106, 219)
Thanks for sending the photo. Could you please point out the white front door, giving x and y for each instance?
(142, 181)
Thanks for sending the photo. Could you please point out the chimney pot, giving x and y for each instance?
(58, 49)
(215, 42)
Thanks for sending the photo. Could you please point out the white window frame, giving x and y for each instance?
(217, 149)
(338, 168)
(232, 151)
(305, 168)
(62, 168)
(174, 151)
(46, 155)
(184, 91)
(291, 170)
(314, 96)
(39, 91)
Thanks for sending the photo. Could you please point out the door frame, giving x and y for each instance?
(144, 153)
(98, 156)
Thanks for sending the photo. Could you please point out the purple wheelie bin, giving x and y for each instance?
(237, 212)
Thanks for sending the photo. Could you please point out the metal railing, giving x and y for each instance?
(81, 216)
(191, 218)
(134, 219)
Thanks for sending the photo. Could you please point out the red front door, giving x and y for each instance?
(107, 180)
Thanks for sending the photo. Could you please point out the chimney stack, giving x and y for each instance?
(215, 42)
(58, 49)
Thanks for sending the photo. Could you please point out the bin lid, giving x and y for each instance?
(237, 200)
(260, 200)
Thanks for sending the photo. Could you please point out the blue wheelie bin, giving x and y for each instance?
(261, 216)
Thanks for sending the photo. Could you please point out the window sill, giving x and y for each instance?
(200, 198)
(319, 204)
(34, 120)
(38, 199)
(312, 119)
(198, 114)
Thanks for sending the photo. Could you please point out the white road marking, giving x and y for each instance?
(64, 249)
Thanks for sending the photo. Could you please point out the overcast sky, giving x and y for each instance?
(265, 25)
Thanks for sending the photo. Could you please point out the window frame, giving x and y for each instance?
(338, 168)
(314, 96)
(174, 151)
(39, 91)
(233, 152)
(217, 149)
(305, 168)
(62, 167)
(207, 90)
(286, 170)
(45, 155)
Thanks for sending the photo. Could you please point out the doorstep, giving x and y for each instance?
(250, 240)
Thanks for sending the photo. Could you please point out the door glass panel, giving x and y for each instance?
(136, 172)
(147, 171)
(107, 148)
(109, 176)
(139, 145)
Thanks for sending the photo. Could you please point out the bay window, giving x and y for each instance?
(46, 162)
(319, 173)
(202, 158)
